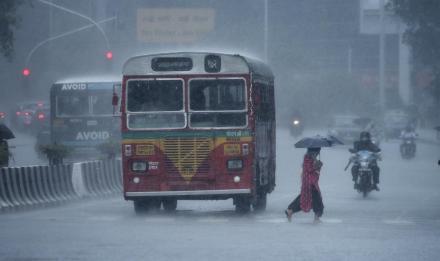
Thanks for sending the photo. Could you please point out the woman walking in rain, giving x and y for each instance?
(310, 196)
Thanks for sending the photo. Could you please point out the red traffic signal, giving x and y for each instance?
(109, 55)
(26, 72)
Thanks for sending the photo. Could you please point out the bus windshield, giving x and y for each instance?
(72, 104)
(155, 104)
(91, 103)
(217, 103)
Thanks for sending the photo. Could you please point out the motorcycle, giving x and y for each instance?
(408, 146)
(363, 161)
(296, 127)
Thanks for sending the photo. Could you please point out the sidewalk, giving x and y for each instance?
(428, 136)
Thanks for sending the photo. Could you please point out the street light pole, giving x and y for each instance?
(82, 16)
(382, 58)
(266, 29)
(48, 40)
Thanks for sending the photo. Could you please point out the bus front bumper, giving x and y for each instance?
(188, 193)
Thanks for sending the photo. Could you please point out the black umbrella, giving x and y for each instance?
(5, 132)
(317, 142)
(334, 140)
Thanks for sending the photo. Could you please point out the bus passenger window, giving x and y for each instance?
(198, 100)
(72, 106)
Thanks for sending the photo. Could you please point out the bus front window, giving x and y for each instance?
(217, 103)
(155, 104)
(101, 103)
(72, 105)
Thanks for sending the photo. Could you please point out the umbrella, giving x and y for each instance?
(317, 142)
(334, 140)
(5, 132)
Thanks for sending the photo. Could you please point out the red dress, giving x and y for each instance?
(310, 178)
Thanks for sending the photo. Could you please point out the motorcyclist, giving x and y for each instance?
(365, 143)
(408, 132)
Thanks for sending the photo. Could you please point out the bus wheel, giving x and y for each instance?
(169, 204)
(242, 205)
(142, 206)
(260, 203)
(154, 203)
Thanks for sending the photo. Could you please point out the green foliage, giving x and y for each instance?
(422, 34)
(55, 153)
(110, 148)
(8, 20)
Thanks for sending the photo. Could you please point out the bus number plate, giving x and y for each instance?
(232, 149)
(144, 150)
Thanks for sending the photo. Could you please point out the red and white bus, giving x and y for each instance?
(197, 126)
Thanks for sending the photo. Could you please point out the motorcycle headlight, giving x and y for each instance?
(235, 164)
(139, 166)
(364, 164)
(295, 122)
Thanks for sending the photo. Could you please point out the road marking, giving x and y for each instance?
(213, 220)
(103, 218)
(397, 222)
(160, 219)
(331, 220)
(273, 220)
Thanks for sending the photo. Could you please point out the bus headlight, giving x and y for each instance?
(139, 166)
(235, 164)
(127, 150)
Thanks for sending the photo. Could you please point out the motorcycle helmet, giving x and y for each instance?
(365, 136)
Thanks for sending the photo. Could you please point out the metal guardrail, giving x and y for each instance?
(35, 186)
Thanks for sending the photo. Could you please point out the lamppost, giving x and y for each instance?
(108, 54)
(266, 29)
(26, 71)
(82, 16)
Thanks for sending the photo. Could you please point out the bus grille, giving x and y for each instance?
(187, 156)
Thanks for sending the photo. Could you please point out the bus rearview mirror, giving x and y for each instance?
(115, 99)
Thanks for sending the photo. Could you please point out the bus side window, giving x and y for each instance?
(198, 100)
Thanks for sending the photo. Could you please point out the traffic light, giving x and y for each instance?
(26, 72)
(109, 55)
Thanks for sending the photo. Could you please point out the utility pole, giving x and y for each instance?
(382, 58)
(266, 29)
(350, 60)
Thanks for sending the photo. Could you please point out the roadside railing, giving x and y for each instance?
(35, 186)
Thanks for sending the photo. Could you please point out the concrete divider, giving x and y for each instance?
(34, 186)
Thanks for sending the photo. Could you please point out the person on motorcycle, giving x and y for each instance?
(365, 143)
(408, 132)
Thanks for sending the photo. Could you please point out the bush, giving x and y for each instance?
(55, 153)
(110, 148)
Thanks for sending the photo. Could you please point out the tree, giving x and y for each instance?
(8, 20)
(422, 34)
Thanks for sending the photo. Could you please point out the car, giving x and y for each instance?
(40, 119)
(2, 117)
(22, 113)
(394, 122)
(345, 128)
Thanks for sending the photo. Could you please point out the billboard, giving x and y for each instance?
(174, 25)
